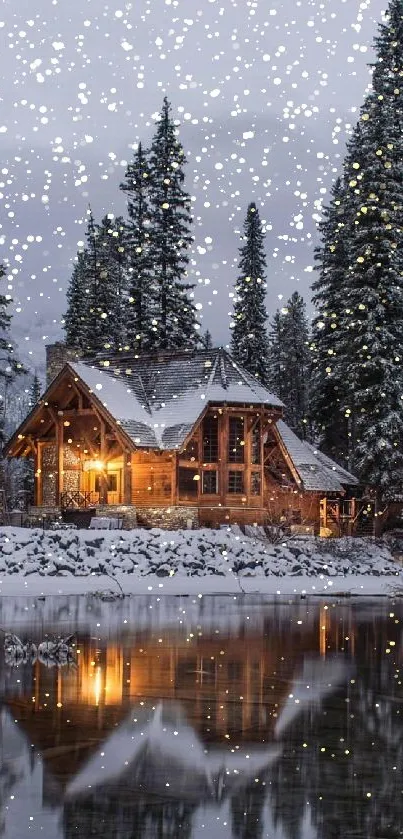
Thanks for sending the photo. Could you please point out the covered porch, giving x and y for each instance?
(81, 457)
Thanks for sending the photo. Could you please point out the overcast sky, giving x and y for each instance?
(265, 91)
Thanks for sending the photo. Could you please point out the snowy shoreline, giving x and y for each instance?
(191, 562)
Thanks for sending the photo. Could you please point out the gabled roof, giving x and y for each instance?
(158, 399)
(316, 470)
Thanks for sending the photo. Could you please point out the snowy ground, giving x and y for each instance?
(191, 562)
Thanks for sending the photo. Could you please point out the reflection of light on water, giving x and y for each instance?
(97, 685)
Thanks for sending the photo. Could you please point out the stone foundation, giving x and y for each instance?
(168, 518)
(128, 513)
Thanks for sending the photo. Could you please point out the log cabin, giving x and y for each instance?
(175, 439)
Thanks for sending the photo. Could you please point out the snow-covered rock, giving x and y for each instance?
(184, 554)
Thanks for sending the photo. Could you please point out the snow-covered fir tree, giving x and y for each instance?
(175, 320)
(10, 366)
(327, 383)
(369, 340)
(95, 317)
(141, 305)
(289, 362)
(75, 321)
(82, 321)
(112, 281)
(249, 336)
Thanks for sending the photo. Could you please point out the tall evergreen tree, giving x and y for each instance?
(174, 322)
(276, 358)
(35, 391)
(141, 306)
(249, 335)
(327, 383)
(82, 322)
(10, 366)
(369, 340)
(28, 472)
(75, 321)
(289, 362)
(95, 317)
(10, 369)
(112, 281)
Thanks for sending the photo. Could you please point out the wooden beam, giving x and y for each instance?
(59, 459)
(223, 454)
(32, 444)
(247, 435)
(174, 478)
(77, 412)
(38, 476)
(78, 394)
(52, 413)
(103, 487)
(127, 478)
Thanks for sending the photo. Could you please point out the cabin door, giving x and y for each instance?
(114, 486)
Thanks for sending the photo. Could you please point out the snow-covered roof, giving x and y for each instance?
(316, 470)
(158, 399)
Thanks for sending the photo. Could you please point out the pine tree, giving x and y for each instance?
(327, 383)
(141, 293)
(174, 323)
(249, 336)
(96, 296)
(289, 362)
(206, 340)
(35, 391)
(10, 366)
(28, 473)
(75, 321)
(94, 328)
(111, 281)
(369, 343)
(276, 359)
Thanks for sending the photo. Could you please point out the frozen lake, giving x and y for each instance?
(193, 717)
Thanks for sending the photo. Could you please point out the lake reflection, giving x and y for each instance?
(213, 717)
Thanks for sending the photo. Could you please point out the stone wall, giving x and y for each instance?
(169, 518)
(48, 473)
(129, 513)
(71, 476)
(56, 357)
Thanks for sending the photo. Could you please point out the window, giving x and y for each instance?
(236, 445)
(111, 483)
(187, 483)
(209, 482)
(210, 439)
(255, 483)
(255, 453)
(235, 482)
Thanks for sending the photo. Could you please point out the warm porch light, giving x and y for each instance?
(90, 465)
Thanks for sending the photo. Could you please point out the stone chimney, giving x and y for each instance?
(57, 355)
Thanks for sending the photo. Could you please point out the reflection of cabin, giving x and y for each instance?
(231, 688)
(175, 437)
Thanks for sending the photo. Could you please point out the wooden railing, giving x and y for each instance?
(78, 499)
